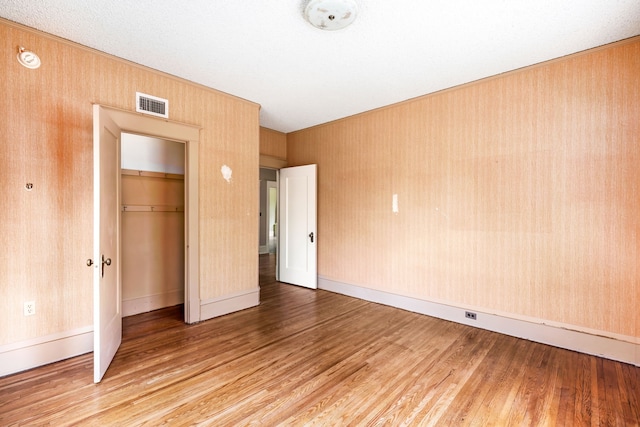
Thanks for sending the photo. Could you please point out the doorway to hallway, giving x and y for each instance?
(268, 237)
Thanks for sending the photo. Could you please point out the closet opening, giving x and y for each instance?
(152, 223)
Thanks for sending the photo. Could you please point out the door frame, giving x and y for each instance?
(274, 185)
(141, 124)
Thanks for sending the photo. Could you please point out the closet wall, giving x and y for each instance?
(152, 241)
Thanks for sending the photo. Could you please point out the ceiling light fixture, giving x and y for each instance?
(331, 14)
(28, 58)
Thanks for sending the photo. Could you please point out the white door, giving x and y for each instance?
(107, 316)
(297, 226)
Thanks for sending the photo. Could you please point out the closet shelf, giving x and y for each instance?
(154, 208)
(132, 172)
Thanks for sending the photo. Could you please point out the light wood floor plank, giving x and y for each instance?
(305, 357)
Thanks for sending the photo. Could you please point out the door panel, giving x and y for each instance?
(107, 316)
(297, 226)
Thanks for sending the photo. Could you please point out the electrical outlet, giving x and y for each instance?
(470, 315)
(29, 308)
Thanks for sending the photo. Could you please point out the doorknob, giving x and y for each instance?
(105, 261)
(311, 236)
(89, 262)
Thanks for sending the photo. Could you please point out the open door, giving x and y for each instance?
(297, 226)
(107, 315)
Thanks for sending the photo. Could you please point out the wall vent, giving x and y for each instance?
(153, 105)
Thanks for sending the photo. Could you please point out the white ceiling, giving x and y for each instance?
(264, 51)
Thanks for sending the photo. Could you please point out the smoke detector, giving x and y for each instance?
(331, 14)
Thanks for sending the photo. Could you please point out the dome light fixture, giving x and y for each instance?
(28, 58)
(331, 14)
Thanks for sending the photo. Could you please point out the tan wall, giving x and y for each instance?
(46, 233)
(273, 143)
(518, 195)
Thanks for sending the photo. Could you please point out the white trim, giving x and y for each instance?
(263, 249)
(40, 351)
(271, 162)
(229, 303)
(152, 302)
(192, 234)
(598, 343)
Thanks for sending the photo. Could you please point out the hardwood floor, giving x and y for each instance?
(317, 358)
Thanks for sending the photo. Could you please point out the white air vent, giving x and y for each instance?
(152, 105)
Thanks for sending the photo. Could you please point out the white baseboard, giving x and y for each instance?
(17, 357)
(40, 351)
(263, 250)
(151, 302)
(610, 346)
(229, 303)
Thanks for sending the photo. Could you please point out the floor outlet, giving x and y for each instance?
(29, 308)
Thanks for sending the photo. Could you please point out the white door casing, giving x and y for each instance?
(190, 135)
(107, 315)
(272, 203)
(297, 247)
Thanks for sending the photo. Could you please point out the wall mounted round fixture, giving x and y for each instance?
(331, 14)
(28, 58)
